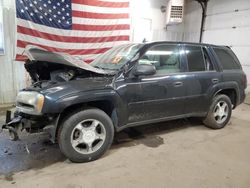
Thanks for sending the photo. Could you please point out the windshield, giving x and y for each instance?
(116, 57)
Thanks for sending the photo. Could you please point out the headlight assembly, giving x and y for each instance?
(30, 102)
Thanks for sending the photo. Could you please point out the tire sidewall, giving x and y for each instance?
(68, 126)
(210, 120)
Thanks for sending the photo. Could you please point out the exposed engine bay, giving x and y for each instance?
(44, 74)
(46, 68)
(47, 71)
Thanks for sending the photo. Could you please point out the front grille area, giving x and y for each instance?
(20, 104)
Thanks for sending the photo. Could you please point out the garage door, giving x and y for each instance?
(228, 23)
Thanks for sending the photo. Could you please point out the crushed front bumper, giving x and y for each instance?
(12, 125)
(20, 122)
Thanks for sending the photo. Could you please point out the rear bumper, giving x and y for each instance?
(243, 96)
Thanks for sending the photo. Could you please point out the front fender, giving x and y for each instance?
(54, 106)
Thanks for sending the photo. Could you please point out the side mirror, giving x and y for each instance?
(144, 69)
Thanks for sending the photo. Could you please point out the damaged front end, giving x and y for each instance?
(18, 122)
(50, 74)
(13, 125)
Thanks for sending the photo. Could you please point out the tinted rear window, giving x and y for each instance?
(208, 63)
(195, 58)
(227, 59)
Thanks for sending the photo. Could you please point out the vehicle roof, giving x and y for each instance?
(181, 42)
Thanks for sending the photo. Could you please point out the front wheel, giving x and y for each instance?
(86, 135)
(219, 112)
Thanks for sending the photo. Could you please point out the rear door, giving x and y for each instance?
(202, 76)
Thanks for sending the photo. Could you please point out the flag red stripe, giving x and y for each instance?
(73, 39)
(83, 27)
(23, 44)
(88, 60)
(92, 15)
(100, 10)
(102, 3)
(21, 57)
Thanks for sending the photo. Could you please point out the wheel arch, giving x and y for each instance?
(231, 93)
(105, 105)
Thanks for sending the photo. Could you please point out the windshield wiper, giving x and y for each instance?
(98, 67)
(104, 68)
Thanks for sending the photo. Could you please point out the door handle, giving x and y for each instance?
(215, 80)
(178, 84)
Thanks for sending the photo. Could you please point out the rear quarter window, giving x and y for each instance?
(227, 59)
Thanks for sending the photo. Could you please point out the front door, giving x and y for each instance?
(131, 94)
(163, 94)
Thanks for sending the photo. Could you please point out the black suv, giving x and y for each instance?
(82, 105)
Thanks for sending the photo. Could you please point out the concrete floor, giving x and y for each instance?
(180, 153)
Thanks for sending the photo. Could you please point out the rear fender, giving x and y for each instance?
(223, 86)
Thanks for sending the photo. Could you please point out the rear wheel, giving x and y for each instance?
(219, 112)
(86, 135)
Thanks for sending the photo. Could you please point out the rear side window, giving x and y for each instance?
(208, 63)
(227, 59)
(195, 58)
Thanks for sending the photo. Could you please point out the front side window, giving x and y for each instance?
(227, 59)
(165, 58)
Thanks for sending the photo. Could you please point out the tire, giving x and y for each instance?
(215, 118)
(76, 134)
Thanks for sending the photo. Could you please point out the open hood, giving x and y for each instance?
(38, 55)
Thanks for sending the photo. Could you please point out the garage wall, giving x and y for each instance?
(227, 23)
(11, 74)
(148, 22)
(192, 21)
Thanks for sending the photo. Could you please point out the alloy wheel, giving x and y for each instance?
(221, 111)
(88, 136)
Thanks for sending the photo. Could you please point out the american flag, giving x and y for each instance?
(84, 28)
